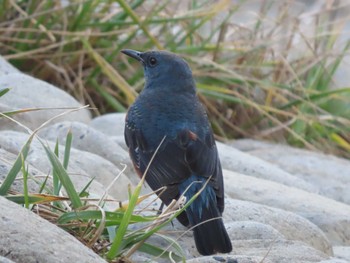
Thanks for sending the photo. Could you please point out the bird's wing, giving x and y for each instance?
(176, 160)
(203, 159)
(167, 168)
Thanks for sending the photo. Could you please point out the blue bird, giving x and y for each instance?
(169, 108)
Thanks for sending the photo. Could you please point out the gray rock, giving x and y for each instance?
(90, 140)
(247, 221)
(5, 260)
(235, 160)
(330, 174)
(331, 216)
(45, 242)
(246, 230)
(35, 177)
(277, 250)
(342, 252)
(291, 226)
(111, 124)
(28, 92)
(121, 141)
(82, 165)
(137, 258)
(6, 68)
(334, 260)
(229, 259)
(87, 139)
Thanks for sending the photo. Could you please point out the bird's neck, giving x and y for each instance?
(171, 85)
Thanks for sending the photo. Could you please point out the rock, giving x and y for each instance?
(90, 140)
(235, 160)
(87, 139)
(291, 226)
(44, 242)
(278, 250)
(28, 92)
(5, 260)
(342, 252)
(331, 216)
(228, 259)
(136, 258)
(6, 68)
(260, 224)
(247, 230)
(82, 165)
(334, 260)
(35, 177)
(111, 124)
(330, 174)
(121, 141)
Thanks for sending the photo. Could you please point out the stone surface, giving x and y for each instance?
(229, 259)
(88, 139)
(246, 230)
(82, 166)
(330, 174)
(25, 92)
(35, 177)
(26, 237)
(235, 160)
(111, 124)
(342, 252)
(6, 68)
(290, 225)
(257, 226)
(329, 215)
(278, 250)
(5, 260)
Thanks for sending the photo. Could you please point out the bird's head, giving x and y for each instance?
(164, 70)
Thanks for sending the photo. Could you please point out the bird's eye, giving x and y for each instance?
(152, 61)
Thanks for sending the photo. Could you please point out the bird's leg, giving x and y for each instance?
(160, 210)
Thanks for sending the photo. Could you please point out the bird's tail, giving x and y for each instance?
(209, 231)
(210, 234)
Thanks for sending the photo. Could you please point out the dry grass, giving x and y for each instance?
(261, 72)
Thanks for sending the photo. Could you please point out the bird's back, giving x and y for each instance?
(164, 114)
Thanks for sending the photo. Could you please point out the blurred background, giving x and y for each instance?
(269, 70)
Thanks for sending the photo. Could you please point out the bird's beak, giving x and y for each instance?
(134, 54)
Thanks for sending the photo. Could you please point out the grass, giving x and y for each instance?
(249, 77)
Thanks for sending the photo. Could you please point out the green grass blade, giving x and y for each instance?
(34, 198)
(25, 183)
(85, 9)
(55, 179)
(113, 75)
(118, 240)
(140, 23)
(17, 166)
(159, 252)
(43, 185)
(67, 149)
(63, 177)
(4, 91)
(84, 192)
(315, 97)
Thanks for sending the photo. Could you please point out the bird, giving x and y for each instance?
(168, 113)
